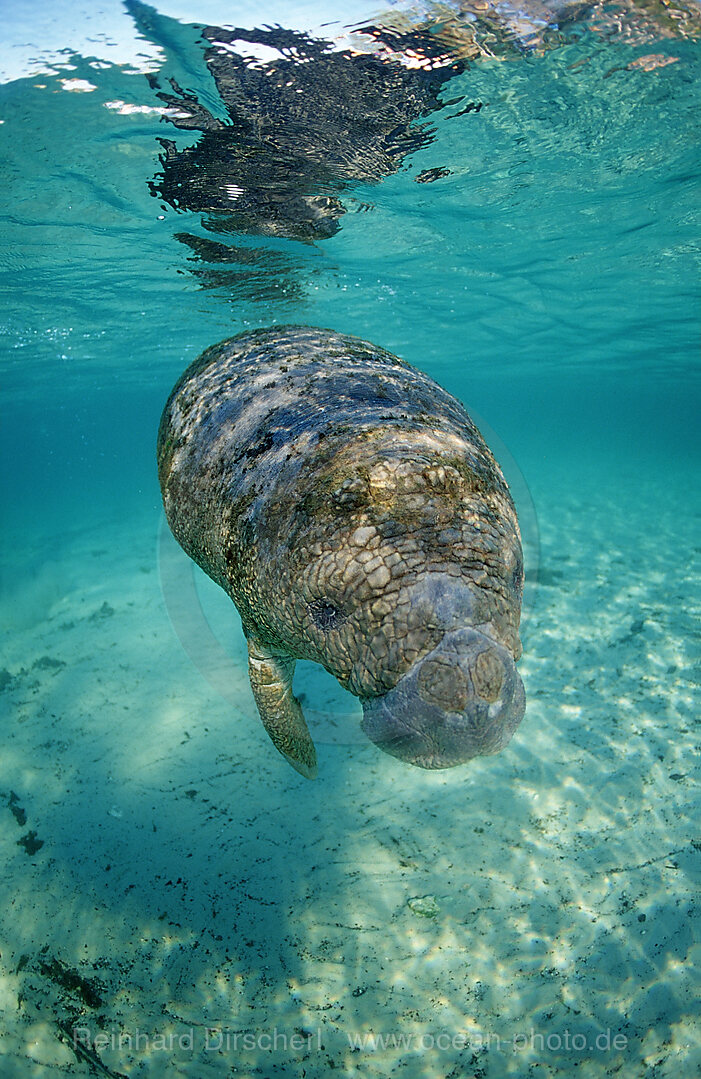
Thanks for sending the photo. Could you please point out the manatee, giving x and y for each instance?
(352, 511)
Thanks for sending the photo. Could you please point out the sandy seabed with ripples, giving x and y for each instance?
(177, 901)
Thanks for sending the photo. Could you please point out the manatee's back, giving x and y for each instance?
(251, 425)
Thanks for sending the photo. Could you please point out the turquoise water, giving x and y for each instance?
(183, 872)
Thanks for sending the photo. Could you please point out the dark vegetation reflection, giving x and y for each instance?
(293, 136)
(289, 124)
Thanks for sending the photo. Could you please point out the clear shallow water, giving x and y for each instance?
(551, 282)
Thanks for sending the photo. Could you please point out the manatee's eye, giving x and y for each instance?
(326, 614)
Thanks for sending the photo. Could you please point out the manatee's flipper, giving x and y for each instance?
(271, 673)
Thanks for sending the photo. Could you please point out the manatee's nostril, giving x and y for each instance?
(443, 684)
(488, 675)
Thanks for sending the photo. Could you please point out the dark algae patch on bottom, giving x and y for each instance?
(72, 981)
(31, 842)
(16, 809)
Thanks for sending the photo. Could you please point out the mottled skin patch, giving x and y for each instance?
(356, 517)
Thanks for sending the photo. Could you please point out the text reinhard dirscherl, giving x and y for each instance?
(217, 1040)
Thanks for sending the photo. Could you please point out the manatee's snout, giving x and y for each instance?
(464, 699)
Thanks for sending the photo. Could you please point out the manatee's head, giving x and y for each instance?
(403, 576)
(462, 700)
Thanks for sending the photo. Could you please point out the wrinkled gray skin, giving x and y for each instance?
(356, 517)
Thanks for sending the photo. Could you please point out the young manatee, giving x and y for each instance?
(356, 517)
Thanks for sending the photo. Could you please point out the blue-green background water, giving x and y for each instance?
(550, 282)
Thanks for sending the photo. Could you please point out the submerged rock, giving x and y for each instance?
(424, 905)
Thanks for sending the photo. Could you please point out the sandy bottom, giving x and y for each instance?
(176, 901)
